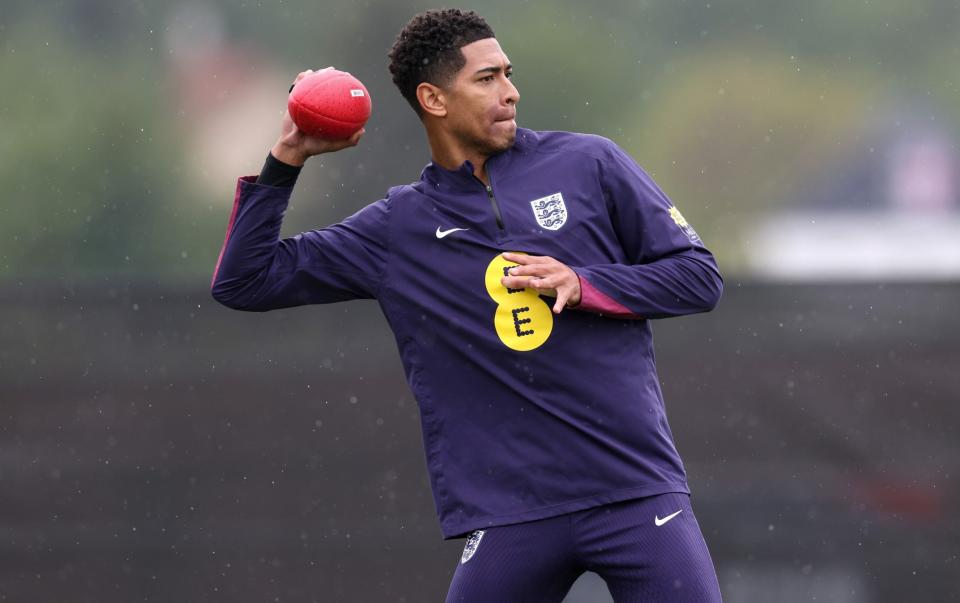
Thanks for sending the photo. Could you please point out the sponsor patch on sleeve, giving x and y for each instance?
(684, 225)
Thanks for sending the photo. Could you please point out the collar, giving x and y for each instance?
(462, 178)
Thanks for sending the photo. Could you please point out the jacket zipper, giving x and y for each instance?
(496, 208)
(493, 203)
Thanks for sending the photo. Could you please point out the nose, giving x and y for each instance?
(513, 95)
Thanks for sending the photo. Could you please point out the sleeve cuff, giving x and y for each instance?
(594, 300)
(278, 173)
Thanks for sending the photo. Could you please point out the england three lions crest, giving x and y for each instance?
(550, 211)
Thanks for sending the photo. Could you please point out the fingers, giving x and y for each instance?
(552, 286)
(523, 258)
(299, 77)
(545, 274)
(304, 74)
(526, 282)
(355, 139)
(544, 281)
(532, 274)
(562, 296)
(551, 281)
(531, 265)
(540, 269)
(535, 269)
(349, 142)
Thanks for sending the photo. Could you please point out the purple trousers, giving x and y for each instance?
(646, 549)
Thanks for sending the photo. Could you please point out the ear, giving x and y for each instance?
(432, 99)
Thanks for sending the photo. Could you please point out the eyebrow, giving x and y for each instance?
(493, 69)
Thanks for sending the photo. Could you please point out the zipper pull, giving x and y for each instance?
(495, 206)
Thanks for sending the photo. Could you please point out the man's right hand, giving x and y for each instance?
(294, 147)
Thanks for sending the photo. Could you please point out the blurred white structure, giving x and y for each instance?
(897, 219)
(858, 246)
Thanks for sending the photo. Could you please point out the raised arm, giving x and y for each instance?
(258, 271)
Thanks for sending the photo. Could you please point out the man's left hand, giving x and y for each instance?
(548, 276)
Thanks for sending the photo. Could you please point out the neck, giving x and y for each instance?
(449, 153)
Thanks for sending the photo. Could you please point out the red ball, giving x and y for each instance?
(329, 104)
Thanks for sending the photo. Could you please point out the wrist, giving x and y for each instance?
(577, 294)
(288, 154)
(278, 173)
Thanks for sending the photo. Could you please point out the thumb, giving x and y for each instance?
(560, 304)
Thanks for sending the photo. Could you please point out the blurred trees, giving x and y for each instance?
(738, 132)
(728, 105)
(89, 166)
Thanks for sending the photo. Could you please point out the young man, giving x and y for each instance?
(518, 275)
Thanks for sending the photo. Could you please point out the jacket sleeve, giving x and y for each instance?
(258, 271)
(667, 272)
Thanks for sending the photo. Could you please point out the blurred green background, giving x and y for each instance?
(125, 123)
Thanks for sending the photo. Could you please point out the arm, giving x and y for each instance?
(258, 271)
(668, 272)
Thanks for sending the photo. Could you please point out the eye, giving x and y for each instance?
(508, 74)
(488, 78)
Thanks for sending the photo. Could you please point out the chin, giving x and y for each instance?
(493, 141)
(503, 145)
(503, 142)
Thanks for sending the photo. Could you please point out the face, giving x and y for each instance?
(482, 101)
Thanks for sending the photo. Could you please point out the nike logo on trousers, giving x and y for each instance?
(659, 522)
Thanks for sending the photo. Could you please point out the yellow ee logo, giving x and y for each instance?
(523, 321)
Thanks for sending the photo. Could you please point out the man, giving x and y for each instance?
(518, 275)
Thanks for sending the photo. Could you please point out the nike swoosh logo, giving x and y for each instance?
(659, 522)
(443, 233)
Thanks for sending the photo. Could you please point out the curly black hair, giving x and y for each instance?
(427, 49)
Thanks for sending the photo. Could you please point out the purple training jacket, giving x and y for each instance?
(525, 414)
